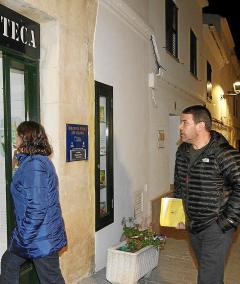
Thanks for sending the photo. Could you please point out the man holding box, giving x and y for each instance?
(207, 179)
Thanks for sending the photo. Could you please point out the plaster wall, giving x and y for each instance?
(141, 7)
(178, 71)
(123, 58)
(170, 101)
(175, 88)
(120, 60)
(67, 96)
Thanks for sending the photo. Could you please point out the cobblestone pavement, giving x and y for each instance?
(177, 266)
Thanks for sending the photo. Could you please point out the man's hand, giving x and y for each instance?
(181, 226)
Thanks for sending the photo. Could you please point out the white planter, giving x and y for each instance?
(127, 267)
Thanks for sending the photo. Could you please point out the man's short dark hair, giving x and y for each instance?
(200, 114)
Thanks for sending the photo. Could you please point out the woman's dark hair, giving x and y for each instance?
(200, 114)
(34, 139)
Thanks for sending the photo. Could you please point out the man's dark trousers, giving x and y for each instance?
(211, 247)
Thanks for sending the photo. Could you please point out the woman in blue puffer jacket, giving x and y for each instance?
(39, 233)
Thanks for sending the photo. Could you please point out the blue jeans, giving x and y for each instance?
(48, 269)
(211, 247)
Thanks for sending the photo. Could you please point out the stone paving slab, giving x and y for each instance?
(177, 266)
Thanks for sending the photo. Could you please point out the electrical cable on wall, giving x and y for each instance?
(154, 98)
(160, 68)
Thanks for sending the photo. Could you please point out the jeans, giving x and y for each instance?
(48, 269)
(211, 247)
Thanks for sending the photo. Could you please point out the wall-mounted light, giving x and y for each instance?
(236, 87)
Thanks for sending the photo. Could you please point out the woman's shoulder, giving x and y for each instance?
(38, 162)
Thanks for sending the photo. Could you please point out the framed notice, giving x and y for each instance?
(76, 142)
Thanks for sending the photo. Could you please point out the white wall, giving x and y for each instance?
(174, 121)
(141, 7)
(170, 99)
(189, 17)
(123, 58)
(120, 60)
(174, 90)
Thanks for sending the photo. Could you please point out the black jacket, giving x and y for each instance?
(210, 188)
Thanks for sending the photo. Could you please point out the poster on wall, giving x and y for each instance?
(76, 142)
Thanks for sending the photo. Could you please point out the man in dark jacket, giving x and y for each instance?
(207, 178)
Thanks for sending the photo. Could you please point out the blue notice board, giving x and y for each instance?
(76, 142)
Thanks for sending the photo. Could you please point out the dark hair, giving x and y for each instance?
(200, 113)
(34, 139)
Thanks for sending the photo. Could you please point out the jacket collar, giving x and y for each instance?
(21, 157)
(216, 140)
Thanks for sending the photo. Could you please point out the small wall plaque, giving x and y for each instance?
(76, 142)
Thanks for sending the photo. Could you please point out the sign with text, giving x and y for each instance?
(19, 33)
(76, 142)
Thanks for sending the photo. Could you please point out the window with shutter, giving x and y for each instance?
(193, 53)
(171, 28)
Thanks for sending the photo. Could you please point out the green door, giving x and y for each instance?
(19, 82)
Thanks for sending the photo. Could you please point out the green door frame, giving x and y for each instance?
(32, 112)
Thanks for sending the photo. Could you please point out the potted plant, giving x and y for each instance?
(136, 256)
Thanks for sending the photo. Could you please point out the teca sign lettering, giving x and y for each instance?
(13, 30)
(19, 33)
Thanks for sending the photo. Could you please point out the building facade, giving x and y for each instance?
(64, 95)
(160, 57)
(155, 57)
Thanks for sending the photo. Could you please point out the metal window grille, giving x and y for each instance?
(172, 28)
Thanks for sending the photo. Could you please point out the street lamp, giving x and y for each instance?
(236, 87)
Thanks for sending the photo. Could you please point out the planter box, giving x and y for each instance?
(127, 267)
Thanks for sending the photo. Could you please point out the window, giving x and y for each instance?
(193, 53)
(171, 28)
(209, 81)
(104, 155)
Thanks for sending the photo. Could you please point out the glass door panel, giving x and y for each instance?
(20, 101)
(104, 155)
(17, 96)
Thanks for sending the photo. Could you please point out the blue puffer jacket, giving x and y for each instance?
(39, 227)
